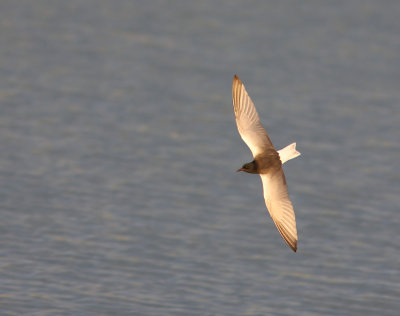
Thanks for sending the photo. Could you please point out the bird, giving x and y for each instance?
(267, 163)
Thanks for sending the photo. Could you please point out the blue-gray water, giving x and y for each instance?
(118, 151)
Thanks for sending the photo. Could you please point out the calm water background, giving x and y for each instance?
(118, 148)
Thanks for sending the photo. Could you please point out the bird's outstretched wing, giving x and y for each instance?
(248, 123)
(279, 206)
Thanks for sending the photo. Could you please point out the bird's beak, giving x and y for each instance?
(241, 169)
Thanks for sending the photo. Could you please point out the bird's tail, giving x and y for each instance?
(289, 152)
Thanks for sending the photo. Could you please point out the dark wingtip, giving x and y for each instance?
(286, 238)
(294, 247)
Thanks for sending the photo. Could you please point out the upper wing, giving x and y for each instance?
(247, 120)
(279, 206)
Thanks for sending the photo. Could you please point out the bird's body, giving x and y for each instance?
(267, 163)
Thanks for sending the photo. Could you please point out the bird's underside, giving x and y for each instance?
(267, 162)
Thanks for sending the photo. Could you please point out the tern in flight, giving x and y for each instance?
(267, 163)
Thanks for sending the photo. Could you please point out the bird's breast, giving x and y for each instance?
(268, 162)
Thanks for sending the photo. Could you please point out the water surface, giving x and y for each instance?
(118, 146)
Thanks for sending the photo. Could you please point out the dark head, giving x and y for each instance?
(249, 167)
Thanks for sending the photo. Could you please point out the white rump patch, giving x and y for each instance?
(289, 152)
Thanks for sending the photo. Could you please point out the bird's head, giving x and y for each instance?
(249, 167)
